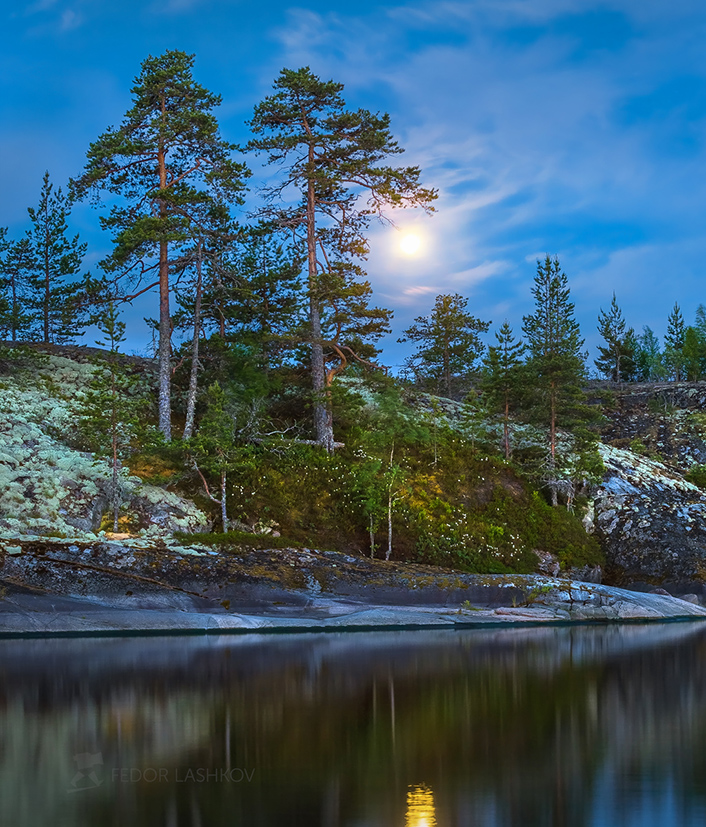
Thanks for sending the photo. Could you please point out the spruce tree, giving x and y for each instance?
(448, 343)
(615, 359)
(556, 357)
(674, 343)
(332, 159)
(501, 383)
(56, 297)
(649, 361)
(163, 168)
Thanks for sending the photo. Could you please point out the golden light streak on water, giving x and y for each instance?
(420, 807)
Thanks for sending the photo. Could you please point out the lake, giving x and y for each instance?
(571, 725)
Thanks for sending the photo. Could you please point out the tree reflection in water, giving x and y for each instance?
(547, 726)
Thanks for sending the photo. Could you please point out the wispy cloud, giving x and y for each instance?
(518, 117)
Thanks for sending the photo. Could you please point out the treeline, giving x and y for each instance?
(257, 316)
(626, 356)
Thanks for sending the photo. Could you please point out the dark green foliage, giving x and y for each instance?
(331, 158)
(501, 383)
(674, 344)
(252, 294)
(169, 177)
(693, 354)
(616, 360)
(17, 262)
(697, 475)
(649, 363)
(556, 361)
(46, 267)
(449, 505)
(448, 344)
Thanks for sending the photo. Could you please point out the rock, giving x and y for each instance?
(660, 591)
(586, 574)
(548, 563)
(690, 598)
(650, 521)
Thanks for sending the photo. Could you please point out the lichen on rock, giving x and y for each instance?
(49, 488)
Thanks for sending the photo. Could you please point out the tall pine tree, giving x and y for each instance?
(164, 168)
(556, 357)
(332, 159)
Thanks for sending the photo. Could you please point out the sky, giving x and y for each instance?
(570, 127)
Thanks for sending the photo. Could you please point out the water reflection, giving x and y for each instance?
(420, 807)
(559, 726)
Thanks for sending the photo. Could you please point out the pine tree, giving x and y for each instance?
(16, 263)
(169, 165)
(56, 297)
(449, 343)
(331, 157)
(693, 355)
(628, 363)
(614, 360)
(502, 377)
(674, 343)
(556, 358)
(253, 295)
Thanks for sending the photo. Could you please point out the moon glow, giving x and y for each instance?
(410, 244)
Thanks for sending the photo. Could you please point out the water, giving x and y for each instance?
(542, 726)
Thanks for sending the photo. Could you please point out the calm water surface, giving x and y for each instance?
(556, 726)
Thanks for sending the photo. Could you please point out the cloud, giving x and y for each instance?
(70, 20)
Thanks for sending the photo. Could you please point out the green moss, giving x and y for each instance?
(697, 475)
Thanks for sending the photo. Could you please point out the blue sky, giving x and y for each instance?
(571, 127)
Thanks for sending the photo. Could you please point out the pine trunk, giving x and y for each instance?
(165, 322)
(193, 378)
(323, 425)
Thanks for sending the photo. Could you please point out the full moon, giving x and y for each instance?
(410, 244)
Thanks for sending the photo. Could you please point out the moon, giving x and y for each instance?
(410, 244)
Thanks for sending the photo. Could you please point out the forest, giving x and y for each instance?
(267, 400)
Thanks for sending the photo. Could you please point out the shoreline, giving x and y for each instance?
(71, 588)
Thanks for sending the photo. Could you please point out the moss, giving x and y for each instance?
(697, 475)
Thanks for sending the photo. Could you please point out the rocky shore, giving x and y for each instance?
(113, 587)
